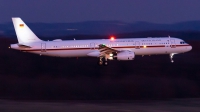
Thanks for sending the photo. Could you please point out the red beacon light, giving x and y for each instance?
(112, 38)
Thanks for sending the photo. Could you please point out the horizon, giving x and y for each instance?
(100, 28)
(29, 22)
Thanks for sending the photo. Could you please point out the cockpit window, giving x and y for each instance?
(182, 42)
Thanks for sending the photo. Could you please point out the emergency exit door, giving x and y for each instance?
(43, 47)
(137, 45)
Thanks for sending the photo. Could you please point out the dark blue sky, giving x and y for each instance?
(157, 11)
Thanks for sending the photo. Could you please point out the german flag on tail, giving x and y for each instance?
(21, 25)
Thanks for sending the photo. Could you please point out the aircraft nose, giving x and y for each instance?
(189, 48)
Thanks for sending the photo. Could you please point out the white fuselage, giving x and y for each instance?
(81, 48)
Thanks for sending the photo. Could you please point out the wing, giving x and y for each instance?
(104, 50)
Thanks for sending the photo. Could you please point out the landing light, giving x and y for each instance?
(110, 58)
(111, 55)
(145, 46)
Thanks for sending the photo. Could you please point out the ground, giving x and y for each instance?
(175, 105)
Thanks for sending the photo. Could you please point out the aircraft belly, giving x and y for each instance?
(152, 51)
(166, 50)
(68, 53)
(147, 52)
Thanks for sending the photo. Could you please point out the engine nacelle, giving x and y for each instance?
(125, 55)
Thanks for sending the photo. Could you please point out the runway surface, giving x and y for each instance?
(175, 105)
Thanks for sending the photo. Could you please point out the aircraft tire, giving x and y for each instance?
(100, 62)
(105, 63)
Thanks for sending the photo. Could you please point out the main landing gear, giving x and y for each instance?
(171, 57)
(103, 61)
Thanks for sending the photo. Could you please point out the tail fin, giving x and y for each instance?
(23, 32)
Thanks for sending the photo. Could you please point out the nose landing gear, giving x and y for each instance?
(171, 57)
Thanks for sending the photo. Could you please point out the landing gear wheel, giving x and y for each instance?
(105, 63)
(100, 62)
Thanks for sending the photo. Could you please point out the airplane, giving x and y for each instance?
(104, 49)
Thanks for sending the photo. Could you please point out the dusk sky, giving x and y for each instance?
(51, 11)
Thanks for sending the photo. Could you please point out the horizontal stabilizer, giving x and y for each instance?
(24, 46)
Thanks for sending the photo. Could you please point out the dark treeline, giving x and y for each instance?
(28, 76)
(186, 35)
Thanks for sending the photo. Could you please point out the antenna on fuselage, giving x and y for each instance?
(74, 39)
(169, 36)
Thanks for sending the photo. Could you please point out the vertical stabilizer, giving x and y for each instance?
(23, 32)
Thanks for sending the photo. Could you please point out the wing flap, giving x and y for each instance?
(104, 50)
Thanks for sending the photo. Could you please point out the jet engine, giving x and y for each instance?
(123, 55)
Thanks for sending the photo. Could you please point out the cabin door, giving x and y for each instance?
(92, 45)
(173, 44)
(43, 47)
(137, 45)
